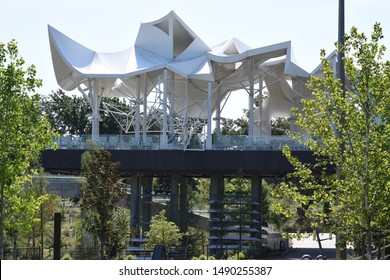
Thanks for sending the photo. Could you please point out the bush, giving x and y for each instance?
(67, 257)
(234, 256)
(203, 258)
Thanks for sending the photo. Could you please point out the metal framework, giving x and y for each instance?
(177, 86)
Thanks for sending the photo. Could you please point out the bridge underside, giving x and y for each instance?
(228, 229)
(185, 163)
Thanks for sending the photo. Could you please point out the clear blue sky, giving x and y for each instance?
(112, 25)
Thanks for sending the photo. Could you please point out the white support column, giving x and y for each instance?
(185, 118)
(163, 140)
(209, 143)
(171, 104)
(261, 82)
(251, 100)
(95, 118)
(218, 112)
(145, 108)
(137, 110)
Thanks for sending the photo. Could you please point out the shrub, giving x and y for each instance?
(67, 257)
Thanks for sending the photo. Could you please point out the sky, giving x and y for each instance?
(112, 25)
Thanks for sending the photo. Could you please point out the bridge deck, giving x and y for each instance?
(188, 163)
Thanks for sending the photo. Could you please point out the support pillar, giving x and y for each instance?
(218, 112)
(146, 204)
(138, 111)
(183, 204)
(251, 100)
(171, 105)
(134, 207)
(216, 216)
(163, 140)
(261, 82)
(145, 108)
(174, 201)
(185, 119)
(95, 116)
(209, 144)
(257, 190)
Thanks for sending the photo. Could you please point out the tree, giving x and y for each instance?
(24, 133)
(235, 126)
(349, 131)
(69, 114)
(240, 126)
(199, 193)
(100, 202)
(120, 230)
(163, 232)
(41, 229)
(280, 126)
(22, 216)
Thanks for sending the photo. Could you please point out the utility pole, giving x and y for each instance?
(340, 53)
(341, 252)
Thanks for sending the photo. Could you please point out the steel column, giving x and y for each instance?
(209, 144)
(145, 108)
(218, 112)
(95, 117)
(261, 85)
(137, 110)
(250, 99)
(163, 141)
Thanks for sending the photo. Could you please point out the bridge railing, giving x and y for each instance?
(269, 142)
(178, 142)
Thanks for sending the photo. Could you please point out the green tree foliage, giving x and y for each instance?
(120, 230)
(100, 202)
(69, 114)
(23, 214)
(41, 231)
(163, 232)
(240, 187)
(280, 126)
(199, 193)
(24, 133)
(240, 126)
(235, 127)
(350, 132)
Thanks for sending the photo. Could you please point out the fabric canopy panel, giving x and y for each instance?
(168, 43)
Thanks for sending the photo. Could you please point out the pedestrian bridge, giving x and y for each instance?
(144, 158)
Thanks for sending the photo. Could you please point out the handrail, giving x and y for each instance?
(179, 142)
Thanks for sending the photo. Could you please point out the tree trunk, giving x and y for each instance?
(366, 181)
(319, 243)
(14, 255)
(378, 245)
(102, 250)
(2, 237)
(368, 238)
(1, 245)
(41, 233)
(33, 239)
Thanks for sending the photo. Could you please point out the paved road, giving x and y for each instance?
(310, 246)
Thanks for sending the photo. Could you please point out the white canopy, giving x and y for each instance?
(168, 43)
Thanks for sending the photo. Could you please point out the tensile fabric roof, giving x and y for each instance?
(168, 43)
